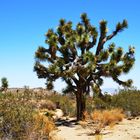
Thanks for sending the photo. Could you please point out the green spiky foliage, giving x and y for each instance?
(78, 56)
(4, 84)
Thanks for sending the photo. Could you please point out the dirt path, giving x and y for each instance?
(125, 130)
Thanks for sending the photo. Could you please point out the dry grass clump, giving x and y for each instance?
(106, 117)
(86, 116)
(118, 114)
(85, 120)
(43, 126)
(98, 119)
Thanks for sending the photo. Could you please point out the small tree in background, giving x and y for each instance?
(4, 84)
(78, 56)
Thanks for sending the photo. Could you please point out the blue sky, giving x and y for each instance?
(23, 24)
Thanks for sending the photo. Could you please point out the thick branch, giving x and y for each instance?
(103, 40)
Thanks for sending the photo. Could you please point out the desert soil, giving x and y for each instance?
(125, 130)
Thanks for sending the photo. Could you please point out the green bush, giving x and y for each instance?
(129, 100)
(64, 102)
(90, 104)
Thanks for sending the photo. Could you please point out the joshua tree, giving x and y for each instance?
(4, 84)
(80, 58)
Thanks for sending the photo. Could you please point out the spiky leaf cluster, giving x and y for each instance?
(70, 56)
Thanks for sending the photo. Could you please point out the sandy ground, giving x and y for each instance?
(125, 130)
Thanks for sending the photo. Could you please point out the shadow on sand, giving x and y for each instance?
(66, 122)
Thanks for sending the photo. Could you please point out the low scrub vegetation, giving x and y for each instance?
(128, 100)
(64, 102)
(28, 115)
(20, 120)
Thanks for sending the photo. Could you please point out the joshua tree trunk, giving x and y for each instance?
(81, 104)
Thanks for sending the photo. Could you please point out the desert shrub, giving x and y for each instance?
(112, 116)
(42, 127)
(19, 120)
(98, 119)
(36, 100)
(66, 103)
(118, 114)
(128, 100)
(46, 112)
(100, 103)
(90, 104)
(16, 117)
(68, 106)
(46, 104)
